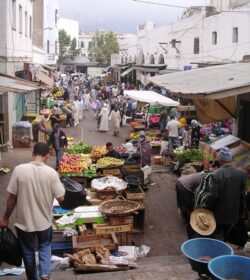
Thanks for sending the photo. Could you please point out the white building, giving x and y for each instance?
(85, 41)
(214, 34)
(45, 32)
(70, 26)
(16, 20)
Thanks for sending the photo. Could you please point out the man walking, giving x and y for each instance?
(226, 195)
(59, 141)
(115, 118)
(32, 189)
(173, 133)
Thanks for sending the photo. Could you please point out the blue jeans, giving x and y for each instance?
(59, 154)
(173, 141)
(29, 241)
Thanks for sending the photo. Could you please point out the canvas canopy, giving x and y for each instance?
(151, 97)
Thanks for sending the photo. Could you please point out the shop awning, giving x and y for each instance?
(44, 78)
(150, 68)
(214, 82)
(126, 72)
(12, 84)
(151, 97)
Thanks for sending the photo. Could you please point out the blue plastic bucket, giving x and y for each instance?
(198, 248)
(230, 267)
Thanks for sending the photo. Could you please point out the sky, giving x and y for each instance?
(121, 16)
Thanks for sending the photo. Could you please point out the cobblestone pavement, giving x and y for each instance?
(164, 230)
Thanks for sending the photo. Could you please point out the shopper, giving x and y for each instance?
(104, 114)
(59, 142)
(111, 152)
(76, 111)
(115, 118)
(145, 149)
(173, 133)
(226, 195)
(44, 128)
(32, 189)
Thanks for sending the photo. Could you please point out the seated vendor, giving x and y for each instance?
(111, 152)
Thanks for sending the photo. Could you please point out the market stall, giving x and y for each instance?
(113, 197)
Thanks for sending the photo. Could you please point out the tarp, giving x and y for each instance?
(41, 76)
(215, 110)
(126, 72)
(151, 97)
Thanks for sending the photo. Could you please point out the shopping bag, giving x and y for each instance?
(10, 251)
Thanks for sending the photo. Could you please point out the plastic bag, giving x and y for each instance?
(10, 251)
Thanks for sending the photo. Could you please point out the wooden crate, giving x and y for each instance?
(131, 168)
(103, 194)
(109, 241)
(115, 221)
(107, 229)
(139, 219)
(135, 195)
(114, 171)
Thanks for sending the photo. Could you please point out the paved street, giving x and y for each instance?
(164, 230)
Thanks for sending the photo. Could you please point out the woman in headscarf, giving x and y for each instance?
(145, 149)
(104, 114)
(44, 128)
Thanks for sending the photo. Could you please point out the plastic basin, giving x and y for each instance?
(230, 267)
(200, 251)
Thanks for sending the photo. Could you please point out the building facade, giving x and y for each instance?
(204, 35)
(45, 32)
(85, 42)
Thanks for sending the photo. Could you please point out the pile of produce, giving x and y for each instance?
(73, 165)
(134, 135)
(98, 151)
(58, 92)
(79, 148)
(190, 155)
(121, 149)
(108, 161)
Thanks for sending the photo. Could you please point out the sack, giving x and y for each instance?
(10, 251)
(238, 234)
(75, 194)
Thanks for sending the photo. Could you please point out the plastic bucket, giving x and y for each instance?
(230, 267)
(133, 181)
(197, 249)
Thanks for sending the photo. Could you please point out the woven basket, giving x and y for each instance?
(117, 207)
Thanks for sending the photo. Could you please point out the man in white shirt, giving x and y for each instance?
(32, 189)
(173, 133)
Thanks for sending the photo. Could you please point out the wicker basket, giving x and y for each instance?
(118, 207)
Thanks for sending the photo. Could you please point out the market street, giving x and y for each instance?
(164, 230)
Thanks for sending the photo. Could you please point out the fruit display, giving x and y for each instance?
(98, 151)
(79, 148)
(121, 149)
(74, 164)
(108, 161)
(134, 135)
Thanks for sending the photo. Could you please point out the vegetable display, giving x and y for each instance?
(98, 151)
(190, 155)
(79, 148)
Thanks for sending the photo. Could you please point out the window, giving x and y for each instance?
(56, 16)
(56, 47)
(196, 45)
(26, 24)
(90, 45)
(13, 14)
(20, 19)
(235, 35)
(82, 44)
(30, 30)
(48, 43)
(214, 38)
